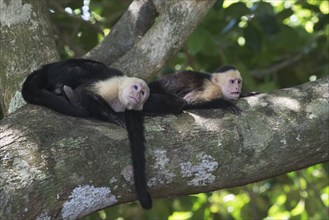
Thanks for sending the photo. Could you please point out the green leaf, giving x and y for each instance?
(310, 7)
(269, 23)
(75, 4)
(286, 13)
(287, 39)
(237, 10)
(253, 37)
(199, 41)
(263, 8)
(88, 39)
(323, 21)
(196, 42)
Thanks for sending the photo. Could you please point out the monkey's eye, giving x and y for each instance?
(239, 81)
(232, 81)
(135, 87)
(142, 92)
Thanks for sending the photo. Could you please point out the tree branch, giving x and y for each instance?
(286, 61)
(139, 48)
(261, 73)
(64, 167)
(176, 21)
(26, 43)
(126, 32)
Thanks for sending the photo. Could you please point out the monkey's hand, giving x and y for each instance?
(216, 103)
(233, 109)
(120, 120)
(247, 94)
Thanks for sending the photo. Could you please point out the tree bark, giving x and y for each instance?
(126, 32)
(26, 43)
(139, 47)
(54, 166)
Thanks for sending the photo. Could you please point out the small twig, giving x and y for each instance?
(261, 73)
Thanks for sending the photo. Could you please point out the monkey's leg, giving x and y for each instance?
(100, 109)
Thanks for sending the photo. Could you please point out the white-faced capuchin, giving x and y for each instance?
(86, 88)
(174, 93)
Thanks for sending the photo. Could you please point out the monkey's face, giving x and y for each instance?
(230, 83)
(134, 94)
(232, 88)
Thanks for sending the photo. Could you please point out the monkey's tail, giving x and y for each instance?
(135, 128)
(34, 91)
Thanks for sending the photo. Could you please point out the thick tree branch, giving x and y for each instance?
(176, 21)
(139, 48)
(63, 167)
(26, 43)
(127, 31)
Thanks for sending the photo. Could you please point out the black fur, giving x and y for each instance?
(45, 85)
(179, 84)
(158, 103)
(55, 85)
(225, 68)
(135, 128)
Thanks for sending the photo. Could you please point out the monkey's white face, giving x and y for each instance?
(230, 83)
(123, 92)
(232, 88)
(134, 94)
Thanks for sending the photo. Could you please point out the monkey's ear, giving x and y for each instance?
(214, 79)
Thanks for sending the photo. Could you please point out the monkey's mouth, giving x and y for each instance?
(133, 100)
(235, 94)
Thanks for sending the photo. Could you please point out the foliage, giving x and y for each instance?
(274, 44)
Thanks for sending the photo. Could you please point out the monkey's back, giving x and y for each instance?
(180, 84)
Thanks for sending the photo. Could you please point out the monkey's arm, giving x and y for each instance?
(161, 104)
(99, 108)
(247, 94)
(216, 103)
(69, 94)
(164, 104)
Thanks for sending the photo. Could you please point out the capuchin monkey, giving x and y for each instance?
(86, 88)
(195, 90)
